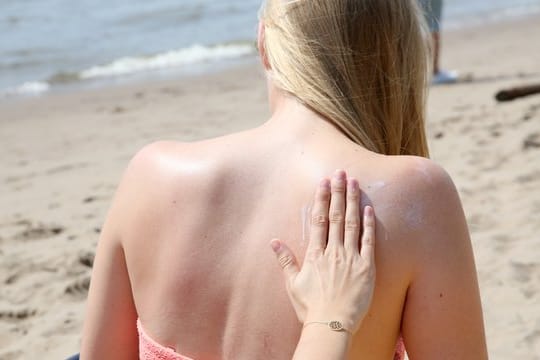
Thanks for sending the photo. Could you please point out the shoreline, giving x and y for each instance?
(204, 69)
(63, 155)
(199, 72)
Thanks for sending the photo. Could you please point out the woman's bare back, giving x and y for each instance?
(186, 244)
(197, 231)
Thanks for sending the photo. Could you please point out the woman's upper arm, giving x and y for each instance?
(442, 317)
(110, 330)
(110, 323)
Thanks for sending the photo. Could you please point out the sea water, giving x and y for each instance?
(50, 43)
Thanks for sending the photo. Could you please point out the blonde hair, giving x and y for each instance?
(362, 64)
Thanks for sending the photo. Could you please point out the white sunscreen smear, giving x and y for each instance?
(378, 185)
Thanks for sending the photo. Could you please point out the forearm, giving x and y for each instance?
(319, 342)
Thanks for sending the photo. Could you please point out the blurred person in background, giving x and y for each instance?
(434, 10)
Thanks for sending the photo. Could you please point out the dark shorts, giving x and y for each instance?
(433, 11)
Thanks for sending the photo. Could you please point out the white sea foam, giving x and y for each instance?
(27, 88)
(191, 55)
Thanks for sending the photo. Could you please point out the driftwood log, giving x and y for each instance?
(517, 92)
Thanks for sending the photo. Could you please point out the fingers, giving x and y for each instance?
(352, 216)
(286, 259)
(319, 218)
(367, 252)
(337, 210)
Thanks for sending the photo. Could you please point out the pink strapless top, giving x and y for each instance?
(152, 350)
(400, 350)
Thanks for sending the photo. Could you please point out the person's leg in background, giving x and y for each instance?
(436, 51)
(433, 10)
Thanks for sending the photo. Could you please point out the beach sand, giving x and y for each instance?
(63, 154)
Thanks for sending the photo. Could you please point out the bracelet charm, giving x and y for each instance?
(336, 325)
(333, 325)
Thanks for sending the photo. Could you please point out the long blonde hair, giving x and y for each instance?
(362, 64)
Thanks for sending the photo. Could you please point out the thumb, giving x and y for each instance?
(286, 259)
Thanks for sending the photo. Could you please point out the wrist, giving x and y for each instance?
(317, 341)
(333, 325)
(317, 330)
(333, 322)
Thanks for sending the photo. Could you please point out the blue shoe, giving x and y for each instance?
(445, 77)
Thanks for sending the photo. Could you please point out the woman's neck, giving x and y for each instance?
(290, 116)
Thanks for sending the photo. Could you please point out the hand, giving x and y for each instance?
(337, 280)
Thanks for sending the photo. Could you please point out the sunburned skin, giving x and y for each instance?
(202, 279)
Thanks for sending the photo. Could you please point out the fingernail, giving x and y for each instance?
(276, 245)
(369, 211)
(325, 183)
(340, 175)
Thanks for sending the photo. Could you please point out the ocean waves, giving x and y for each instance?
(56, 44)
(187, 56)
(26, 88)
(125, 66)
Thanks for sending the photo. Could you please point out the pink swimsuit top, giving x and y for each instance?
(152, 350)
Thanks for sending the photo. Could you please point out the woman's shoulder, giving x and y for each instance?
(415, 196)
(175, 156)
(421, 176)
(165, 169)
(162, 168)
(411, 176)
(418, 210)
(156, 153)
(163, 160)
(150, 163)
(162, 179)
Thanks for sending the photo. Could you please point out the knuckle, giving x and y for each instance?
(368, 271)
(363, 271)
(352, 224)
(338, 188)
(336, 217)
(337, 257)
(323, 195)
(369, 223)
(368, 239)
(314, 254)
(368, 232)
(319, 220)
(285, 261)
(353, 196)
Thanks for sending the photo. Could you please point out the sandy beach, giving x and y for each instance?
(63, 154)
